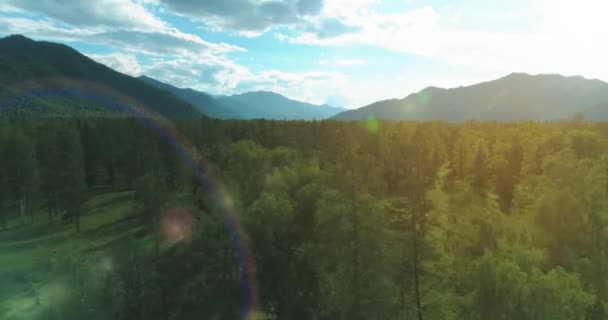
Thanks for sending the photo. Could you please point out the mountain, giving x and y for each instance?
(40, 65)
(202, 101)
(518, 96)
(270, 105)
(250, 105)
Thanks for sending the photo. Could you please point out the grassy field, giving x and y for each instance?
(35, 257)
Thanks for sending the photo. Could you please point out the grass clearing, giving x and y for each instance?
(28, 252)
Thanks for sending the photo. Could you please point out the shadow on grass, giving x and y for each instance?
(107, 200)
(117, 226)
(118, 242)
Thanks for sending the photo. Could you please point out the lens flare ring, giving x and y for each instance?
(85, 90)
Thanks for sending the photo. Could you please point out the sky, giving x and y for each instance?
(345, 53)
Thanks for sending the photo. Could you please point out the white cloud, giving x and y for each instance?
(245, 16)
(126, 25)
(93, 14)
(347, 9)
(44, 27)
(124, 63)
(252, 18)
(281, 37)
(567, 38)
(342, 62)
(168, 41)
(208, 73)
(402, 32)
(219, 75)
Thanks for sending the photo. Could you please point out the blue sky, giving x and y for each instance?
(343, 52)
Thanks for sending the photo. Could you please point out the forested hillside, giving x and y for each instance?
(336, 220)
(36, 73)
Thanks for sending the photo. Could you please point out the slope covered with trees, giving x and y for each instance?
(408, 220)
(516, 97)
(36, 67)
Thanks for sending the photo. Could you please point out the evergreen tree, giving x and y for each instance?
(21, 169)
(70, 173)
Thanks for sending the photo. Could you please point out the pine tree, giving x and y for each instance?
(21, 169)
(70, 173)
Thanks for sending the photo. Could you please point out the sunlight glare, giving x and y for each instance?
(178, 225)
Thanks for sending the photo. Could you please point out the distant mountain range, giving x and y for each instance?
(250, 105)
(270, 105)
(23, 60)
(518, 96)
(205, 103)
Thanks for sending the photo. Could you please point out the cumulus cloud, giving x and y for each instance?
(98, 13)
(254, 17)
(208, 73)
(246, 15)
(43, 28)
(328, 28)
(309, 7)
(169, 41)
(124, 63)
(123, 24)
(411, 32)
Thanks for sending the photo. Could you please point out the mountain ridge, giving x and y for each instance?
(24, 60)
(514, 97)
(204, 102)
(261, 104)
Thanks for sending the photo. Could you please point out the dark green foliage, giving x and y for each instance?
(414, 220)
